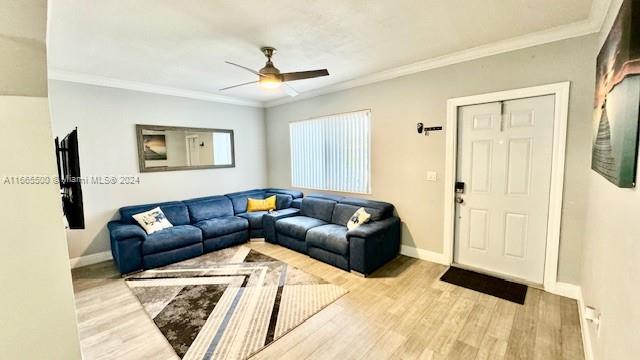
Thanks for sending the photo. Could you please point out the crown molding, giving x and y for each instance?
(600, 12)
(592, 24)
(69, 76)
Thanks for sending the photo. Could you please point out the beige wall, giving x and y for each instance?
(611, 260)
(37, 315)
(106, 119)
(401, 157)
(23, 48)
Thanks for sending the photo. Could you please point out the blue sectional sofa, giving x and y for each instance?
(319, 230)
(313, 225)
(200, 225)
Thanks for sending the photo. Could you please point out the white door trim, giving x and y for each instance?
(561, 92)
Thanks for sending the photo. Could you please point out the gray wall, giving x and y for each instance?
(401, 158)
(611, 260)
(106, 119)
(37, 314)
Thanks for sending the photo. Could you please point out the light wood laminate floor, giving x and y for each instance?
(401, 312)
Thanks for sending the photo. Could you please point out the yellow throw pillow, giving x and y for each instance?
(261, 205)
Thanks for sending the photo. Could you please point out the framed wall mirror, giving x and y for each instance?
(170, 148)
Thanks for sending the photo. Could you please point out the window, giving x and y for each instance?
(332, 152)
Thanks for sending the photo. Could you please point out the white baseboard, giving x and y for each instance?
(565, 289)
(90, 259)
(584, 329)
(423, 254)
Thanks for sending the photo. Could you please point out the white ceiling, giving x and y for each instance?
(182, 44)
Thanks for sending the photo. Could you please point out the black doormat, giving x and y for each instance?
(486, 284)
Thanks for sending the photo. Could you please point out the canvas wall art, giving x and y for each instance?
(617, 100)
(155, 147)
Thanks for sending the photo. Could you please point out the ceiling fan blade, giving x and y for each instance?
(292, 76)
(235, 86)
(244, 67)
(289, 90)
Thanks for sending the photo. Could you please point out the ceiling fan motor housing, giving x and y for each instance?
(268, 68)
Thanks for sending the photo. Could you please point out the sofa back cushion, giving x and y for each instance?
(348, 206)
(175, 211)
(318, 208)
(342, 213)
(335, 198)
(293, 193)
(239, 199)
(283, 201)
(209, 208)
(296, 203)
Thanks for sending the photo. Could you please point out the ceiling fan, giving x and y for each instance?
(269, 77)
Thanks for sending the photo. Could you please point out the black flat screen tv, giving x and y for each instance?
(70, 179)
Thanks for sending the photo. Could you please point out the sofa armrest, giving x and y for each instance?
(371, 229)
(126, 245)
(269, 222)
(373, 245)
(120, 231)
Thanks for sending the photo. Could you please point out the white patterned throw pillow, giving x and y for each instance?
(152, 220)
(358, 218)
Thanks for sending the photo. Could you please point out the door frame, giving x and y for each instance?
(561, 110)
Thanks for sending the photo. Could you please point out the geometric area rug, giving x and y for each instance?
(229, 304)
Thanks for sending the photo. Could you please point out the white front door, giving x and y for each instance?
(504, 160)
(193, 154)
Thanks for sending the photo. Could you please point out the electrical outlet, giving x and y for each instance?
(432, 176)
(592, 315)
(599, 326)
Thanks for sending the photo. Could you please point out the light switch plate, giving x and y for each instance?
(432, 176)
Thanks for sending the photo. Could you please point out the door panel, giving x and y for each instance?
(520, 119)
(504, 157)
(519, 166)
(478, 228)
(481, 166)
(515, 234)
(483, 121)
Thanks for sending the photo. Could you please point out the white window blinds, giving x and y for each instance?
(332, 152)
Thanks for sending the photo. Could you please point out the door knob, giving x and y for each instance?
(459, 200)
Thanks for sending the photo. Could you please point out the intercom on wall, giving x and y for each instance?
(422, 129)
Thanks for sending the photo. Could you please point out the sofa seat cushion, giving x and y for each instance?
(254, 218)
(329, 237)
(172, 238)
(297, 226)
(222, 226)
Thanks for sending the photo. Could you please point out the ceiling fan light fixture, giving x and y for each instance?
(269, 82)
